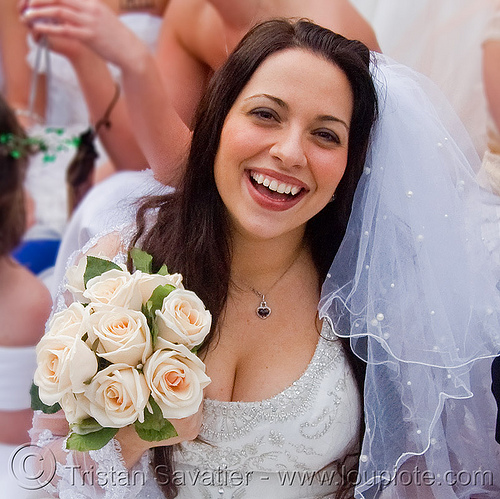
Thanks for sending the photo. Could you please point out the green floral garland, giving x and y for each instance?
(50, 144)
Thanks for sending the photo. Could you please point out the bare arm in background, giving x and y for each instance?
(162, 93)
(491, 77)
(16, 70)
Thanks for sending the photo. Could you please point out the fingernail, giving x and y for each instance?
(27, 13)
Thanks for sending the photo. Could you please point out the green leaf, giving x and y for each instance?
(155, 427)
(155, 303)
(142, 261)
(163, 270)
(89, 425)
(38, 405)
(97, 266)
(158, 295)
(154, 333)
(91, 441)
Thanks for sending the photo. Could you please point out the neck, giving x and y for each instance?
(7, 263)
(259, 264)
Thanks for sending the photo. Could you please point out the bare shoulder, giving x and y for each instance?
(108, 246)
(339, 16)
(25, 305)
(190, 45)
(491, 77)
(354, 25)
(200, 29)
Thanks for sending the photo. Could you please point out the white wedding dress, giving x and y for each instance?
(292, 445)
(14, 396)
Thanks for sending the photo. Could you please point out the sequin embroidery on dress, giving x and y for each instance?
(267, 447)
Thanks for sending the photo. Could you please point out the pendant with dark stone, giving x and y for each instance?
(263, 311)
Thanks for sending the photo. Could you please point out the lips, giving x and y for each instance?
(274, 192)
(275, 185)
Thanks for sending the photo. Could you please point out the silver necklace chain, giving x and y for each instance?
(263, 310)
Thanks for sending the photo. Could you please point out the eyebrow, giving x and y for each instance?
(280, 103)
(328, 117)
(284, 105)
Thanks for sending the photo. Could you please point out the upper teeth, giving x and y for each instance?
(274, 185)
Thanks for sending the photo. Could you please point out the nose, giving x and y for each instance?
(288, 148)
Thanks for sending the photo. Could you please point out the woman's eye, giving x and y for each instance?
(328, 136)
(264, 114)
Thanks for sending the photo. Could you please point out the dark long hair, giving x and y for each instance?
(13, 165)
(191, 229)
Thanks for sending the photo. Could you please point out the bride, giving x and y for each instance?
(282, 141)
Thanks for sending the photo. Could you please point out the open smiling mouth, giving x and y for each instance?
(274, 189)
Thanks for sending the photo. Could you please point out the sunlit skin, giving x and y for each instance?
(290, 124)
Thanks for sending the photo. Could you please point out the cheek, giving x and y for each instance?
(240, 140)
(237, 145)
(329, 170)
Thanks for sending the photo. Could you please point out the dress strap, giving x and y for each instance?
(17, 365)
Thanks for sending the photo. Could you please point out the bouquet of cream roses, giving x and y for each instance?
(122, 353)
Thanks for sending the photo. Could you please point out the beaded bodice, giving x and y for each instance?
(305, 428)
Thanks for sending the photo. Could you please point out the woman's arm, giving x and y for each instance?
(24, 316)
(97, 84)
(89, 474)
(133, 447)
(161, 132)
(98, 87)
(16, 71)
(491, 77)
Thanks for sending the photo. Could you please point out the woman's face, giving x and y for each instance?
(283, 146)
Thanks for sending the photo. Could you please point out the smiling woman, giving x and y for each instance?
(285, 127)
(284, 132)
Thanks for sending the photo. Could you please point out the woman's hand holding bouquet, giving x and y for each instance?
(123, 354)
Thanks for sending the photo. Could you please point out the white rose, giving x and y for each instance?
(183, 318)
(75, 407)
(118, 396)
(147, 283)
(176, 378)
(65, 363)
(70, 322)
(114, 287)
(123, 334)
(75, 280)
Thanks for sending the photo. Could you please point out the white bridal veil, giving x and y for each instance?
(414, 288)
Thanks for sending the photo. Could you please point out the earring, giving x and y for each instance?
(332, 198)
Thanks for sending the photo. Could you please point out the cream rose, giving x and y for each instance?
(183, 318)
(75, 281)
(176, 378)
(118, 396)
(70, 322)
(75, 407)
(147, 283)
(123, 335)
(65, 363)
(114, 287)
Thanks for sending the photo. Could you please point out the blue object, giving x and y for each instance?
(37, 254)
